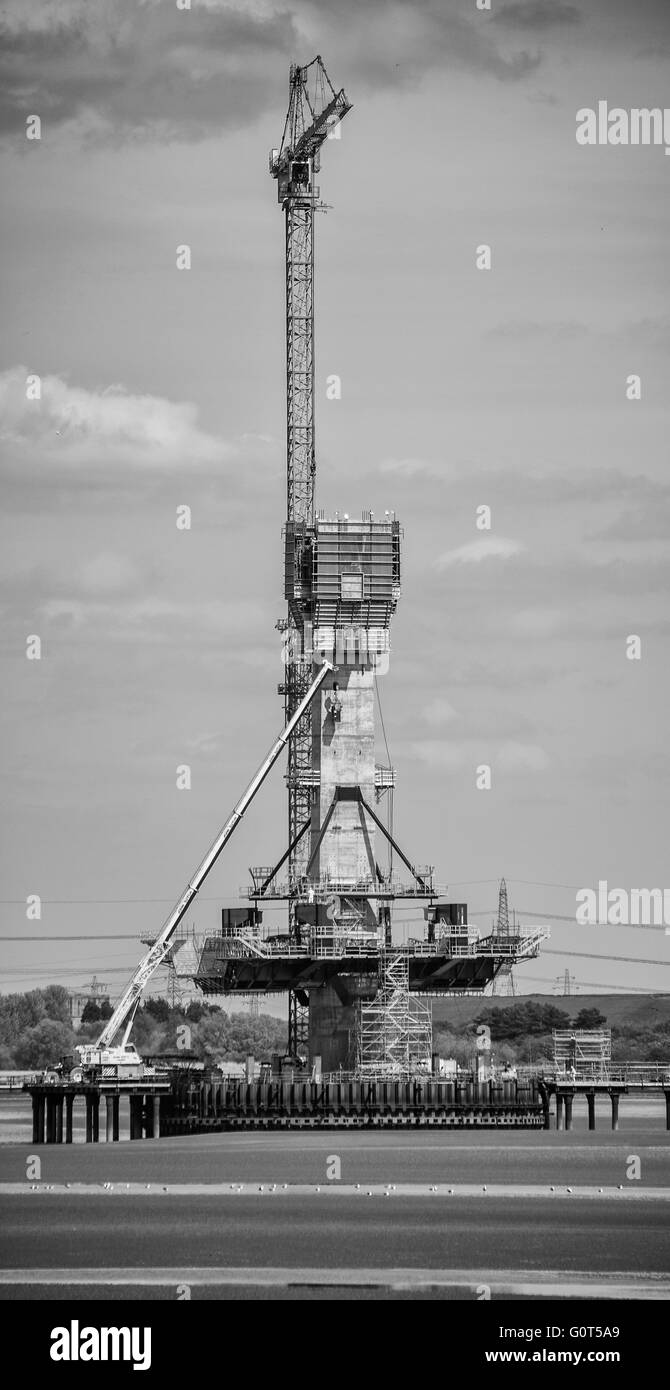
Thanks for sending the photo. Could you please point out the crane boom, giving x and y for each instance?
(125, 1009)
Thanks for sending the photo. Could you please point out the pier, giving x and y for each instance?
(53, 1109)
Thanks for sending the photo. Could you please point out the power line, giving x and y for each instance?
(104, 936)
(594, 955)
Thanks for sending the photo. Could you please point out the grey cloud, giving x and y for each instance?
(530, 330)
(145, 67)
(130, 68)
(537, 14)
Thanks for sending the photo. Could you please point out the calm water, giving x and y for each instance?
(16, 1119)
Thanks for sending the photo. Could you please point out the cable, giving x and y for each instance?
(389, 824)
(594, 955)
(114, 936)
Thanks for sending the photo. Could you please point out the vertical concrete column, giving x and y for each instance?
(559, 1110)
(109, 1119)
(41, 1108)
(568, 1111)
(51, 1119)
(95, 1109)
(135, 1117)
(69, 1103)
(614, 1097)
(591, 1102)
(148, 1112)
(156, 1109)
(115, 1119)
(38, 1115)
(667, 1109)
(59, 1118)
(89, 1118)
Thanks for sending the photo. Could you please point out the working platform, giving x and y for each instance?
(245, 961)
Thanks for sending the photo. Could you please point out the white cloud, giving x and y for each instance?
(455, 754)
(485, 548)
(413, 468)
(439, 711)
(73, 428)
(106, 573)
(521, 757)
(159, 620)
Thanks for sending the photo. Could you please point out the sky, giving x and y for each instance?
(461, 388)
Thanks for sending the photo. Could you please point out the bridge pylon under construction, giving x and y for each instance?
(340, 870)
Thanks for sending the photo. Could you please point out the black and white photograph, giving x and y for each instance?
(334, 572)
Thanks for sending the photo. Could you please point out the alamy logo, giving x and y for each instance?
(75, 1343)
(621, 907)
(616, 126)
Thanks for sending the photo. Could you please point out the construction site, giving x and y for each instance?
(359, 1045)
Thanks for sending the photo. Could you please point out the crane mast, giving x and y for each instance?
(314, 109)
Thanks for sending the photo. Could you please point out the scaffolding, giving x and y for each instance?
(586, 1051)
(395, 1036)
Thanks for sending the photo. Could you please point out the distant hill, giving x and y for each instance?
(640, 1010)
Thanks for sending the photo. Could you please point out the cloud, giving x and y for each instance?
(463, 753)
(530, 330)
(536, 14)
(521, 757)
(119, 68)
(486, 548)
(439, 711)
(71, 429)
(106, 573)
(413, 468)
(141, 65)
(157, 620)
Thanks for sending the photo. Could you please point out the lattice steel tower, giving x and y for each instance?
(315, 108)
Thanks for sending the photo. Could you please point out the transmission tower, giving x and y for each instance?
(503, 982)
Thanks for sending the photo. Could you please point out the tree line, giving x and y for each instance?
(36, 1030)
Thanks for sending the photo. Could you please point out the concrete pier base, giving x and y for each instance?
(591, 1103)
(38, 1119)
(614, 1097)
(69, 1107)
(568, 1099)
(136, 1103)
(559, 1110)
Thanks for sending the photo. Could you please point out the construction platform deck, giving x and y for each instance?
(243, 963)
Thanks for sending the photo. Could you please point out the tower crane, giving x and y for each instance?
(314, 109)
(123, 1059)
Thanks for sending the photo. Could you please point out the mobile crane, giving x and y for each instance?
(106, 1060)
